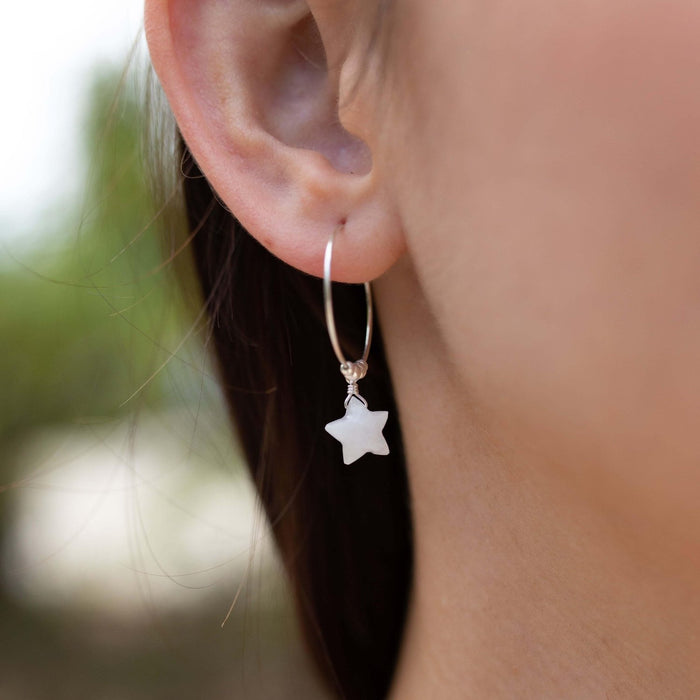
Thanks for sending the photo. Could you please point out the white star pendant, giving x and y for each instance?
(360, 431)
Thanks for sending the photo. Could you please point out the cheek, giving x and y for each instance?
(551, 196)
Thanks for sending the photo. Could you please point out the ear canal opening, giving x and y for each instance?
(299, 102)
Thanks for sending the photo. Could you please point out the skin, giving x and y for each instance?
(522, 182)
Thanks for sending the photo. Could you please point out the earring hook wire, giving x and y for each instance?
(328, 304)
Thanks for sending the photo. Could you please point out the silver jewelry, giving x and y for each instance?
(359, 430)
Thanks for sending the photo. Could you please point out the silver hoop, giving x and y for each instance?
(359, 430)
(330, 320)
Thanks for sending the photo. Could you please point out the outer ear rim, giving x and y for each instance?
(288, 198)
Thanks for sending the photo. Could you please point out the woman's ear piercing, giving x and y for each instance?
(359, 430)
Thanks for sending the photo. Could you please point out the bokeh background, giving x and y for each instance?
(134, 561)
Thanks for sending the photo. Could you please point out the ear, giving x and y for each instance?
(257, 102)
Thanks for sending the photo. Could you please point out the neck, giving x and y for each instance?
(522, 587)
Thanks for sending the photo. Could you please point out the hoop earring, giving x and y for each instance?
(359, 430)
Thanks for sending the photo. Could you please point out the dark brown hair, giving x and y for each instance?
(343, 532)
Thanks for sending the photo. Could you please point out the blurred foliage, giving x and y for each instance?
(93, 328)
(86, 319)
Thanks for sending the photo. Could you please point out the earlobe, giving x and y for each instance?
(251, 90)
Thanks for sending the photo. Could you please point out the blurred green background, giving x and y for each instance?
(127, 526)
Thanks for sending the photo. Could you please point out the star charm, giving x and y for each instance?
(360, 431)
